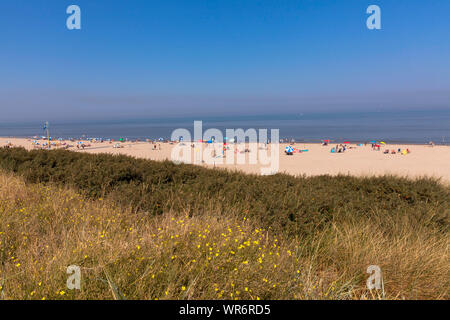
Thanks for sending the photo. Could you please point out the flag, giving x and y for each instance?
(45, 126)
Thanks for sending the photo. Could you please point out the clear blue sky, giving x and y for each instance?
(144, 58)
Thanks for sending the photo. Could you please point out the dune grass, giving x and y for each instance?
(145, 230)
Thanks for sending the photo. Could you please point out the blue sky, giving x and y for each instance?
(144, 58)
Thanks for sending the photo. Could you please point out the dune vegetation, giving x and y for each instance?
(140, 229)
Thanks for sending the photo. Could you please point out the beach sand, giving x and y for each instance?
(423, 160)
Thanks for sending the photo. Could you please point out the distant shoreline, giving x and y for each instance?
(396, 127)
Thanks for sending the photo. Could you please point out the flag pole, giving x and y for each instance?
(48, 135)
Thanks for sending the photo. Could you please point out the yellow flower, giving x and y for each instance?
(183, 288)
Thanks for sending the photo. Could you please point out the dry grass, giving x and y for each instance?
(127, 254)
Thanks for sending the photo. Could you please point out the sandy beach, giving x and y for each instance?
(423, 160)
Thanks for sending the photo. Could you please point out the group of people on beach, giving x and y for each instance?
(339, 148)
(8, 145)
(399, 151)
(156, 147)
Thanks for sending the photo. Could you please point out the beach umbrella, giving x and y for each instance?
(372, 141)
(347, 142)
(382, 142)
(289, 149)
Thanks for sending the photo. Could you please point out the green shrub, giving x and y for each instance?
(296, 205)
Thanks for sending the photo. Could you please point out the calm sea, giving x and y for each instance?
(406, 126)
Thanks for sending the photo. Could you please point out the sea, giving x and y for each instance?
(413, 127)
